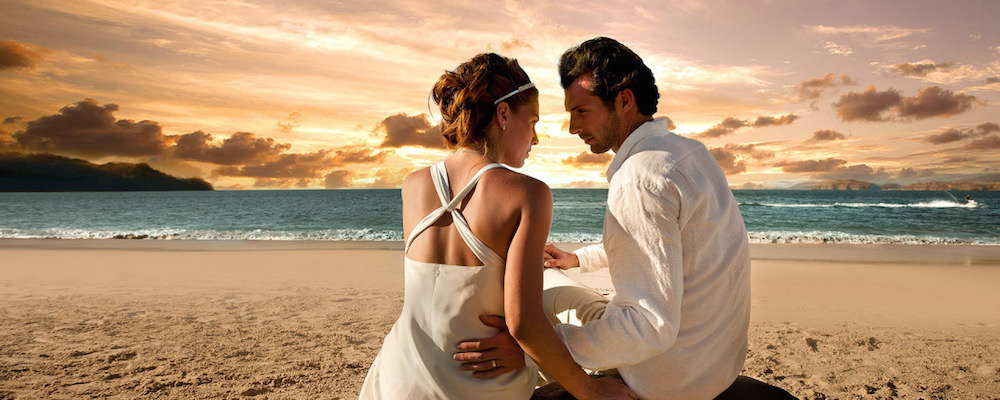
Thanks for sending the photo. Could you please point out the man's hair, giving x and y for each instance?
(614, 68)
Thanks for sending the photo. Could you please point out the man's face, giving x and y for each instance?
(589, 117)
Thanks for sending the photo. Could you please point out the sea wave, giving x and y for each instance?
(847, 238)
(926, 204)
(180, 234)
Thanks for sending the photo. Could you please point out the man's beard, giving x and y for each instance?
(609, 129)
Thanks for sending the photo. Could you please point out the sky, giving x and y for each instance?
(331, 94)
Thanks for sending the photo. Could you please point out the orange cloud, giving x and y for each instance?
(921, 69)
(309, 165)
(338, 179)
(933, 101)
(588, 158)
(240, 148)
(728, 161)
(17, 55)
(811, 90)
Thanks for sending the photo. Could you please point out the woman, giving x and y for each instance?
(477, 250)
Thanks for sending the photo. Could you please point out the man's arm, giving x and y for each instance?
(643, 318)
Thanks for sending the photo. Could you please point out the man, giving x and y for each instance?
(674, 242)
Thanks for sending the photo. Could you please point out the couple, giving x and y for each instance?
(673, 239)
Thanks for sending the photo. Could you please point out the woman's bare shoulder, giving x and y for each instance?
(516, 184)
(417, 180)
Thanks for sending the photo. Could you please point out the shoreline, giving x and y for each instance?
(946, 254)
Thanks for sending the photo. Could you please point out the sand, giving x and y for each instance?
(290, 320)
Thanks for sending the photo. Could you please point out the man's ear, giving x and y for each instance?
(625, 101)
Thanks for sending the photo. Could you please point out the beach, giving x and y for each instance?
(304, 319)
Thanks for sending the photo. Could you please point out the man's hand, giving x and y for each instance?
(556, 258)
(493, 356)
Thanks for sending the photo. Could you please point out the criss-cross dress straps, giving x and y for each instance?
(448, 204)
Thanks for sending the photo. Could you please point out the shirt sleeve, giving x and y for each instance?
(592, 258)
(643, 318)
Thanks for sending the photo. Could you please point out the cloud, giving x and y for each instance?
(240, 148)
(751, 186)
(732, 158)
(17, 55)
(728, 161)
(670, 123)
(868, 105)
(89, 129)
(292, 121)
(993, 79)
(933, 101)
(826, 165)
(877, 33)
(584, 184)
(921, 69)
(948, 136)
(837, 49)
(987, 143)
(731, 124)
(387, 178)
(357, 155)
(810, 90)
(911, 173)
(338, 179)
(588, 158)
(404, 130)
(12, 120)
(823, 135)
(762, 122)
(509, 46)
(285, 166)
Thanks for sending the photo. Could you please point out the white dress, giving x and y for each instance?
(441, 306)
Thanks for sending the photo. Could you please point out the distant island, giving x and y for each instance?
(20, 172)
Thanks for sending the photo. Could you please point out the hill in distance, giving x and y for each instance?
(20, 172)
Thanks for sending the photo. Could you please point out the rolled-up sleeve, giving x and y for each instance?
(592, 258)
(643, 319)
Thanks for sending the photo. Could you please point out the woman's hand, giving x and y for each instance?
(609, 388)
(554, 257)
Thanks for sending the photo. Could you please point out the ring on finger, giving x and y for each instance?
(493, 364)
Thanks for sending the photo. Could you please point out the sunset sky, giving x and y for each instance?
(334, 94)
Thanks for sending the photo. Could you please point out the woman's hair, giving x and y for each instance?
(466, 96)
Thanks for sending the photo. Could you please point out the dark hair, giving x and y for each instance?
(613, 68)
(466, 95)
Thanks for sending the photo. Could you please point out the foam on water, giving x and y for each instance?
(928, 204)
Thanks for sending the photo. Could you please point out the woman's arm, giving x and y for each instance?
(523, 301)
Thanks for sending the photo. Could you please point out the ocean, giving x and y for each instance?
(771, 216)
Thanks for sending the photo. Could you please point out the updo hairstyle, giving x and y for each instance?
(466, 95)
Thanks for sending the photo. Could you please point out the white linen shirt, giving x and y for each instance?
(677, 252)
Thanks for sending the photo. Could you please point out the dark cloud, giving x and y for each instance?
(824, 135)
(585, 158)
(868, 105)
(921, 69)
(987, 143)
(811, 90)
(911, 173)
(404, 130)
(240, 148)
(17, 55)
(89, 129)
(859, 172)
(286, 166)
(775, 121)
(933, 101)
(338, 179)
(993, 79)
(728, 161)
(827, 165)
(732, 158)
(357, 155)
(731, 124)
(12, 120)
(954, 135)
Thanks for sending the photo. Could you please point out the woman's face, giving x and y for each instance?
(517, 139)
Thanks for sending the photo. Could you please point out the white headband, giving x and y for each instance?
(523, 87)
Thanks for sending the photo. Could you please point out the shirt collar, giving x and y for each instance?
(647, 129)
